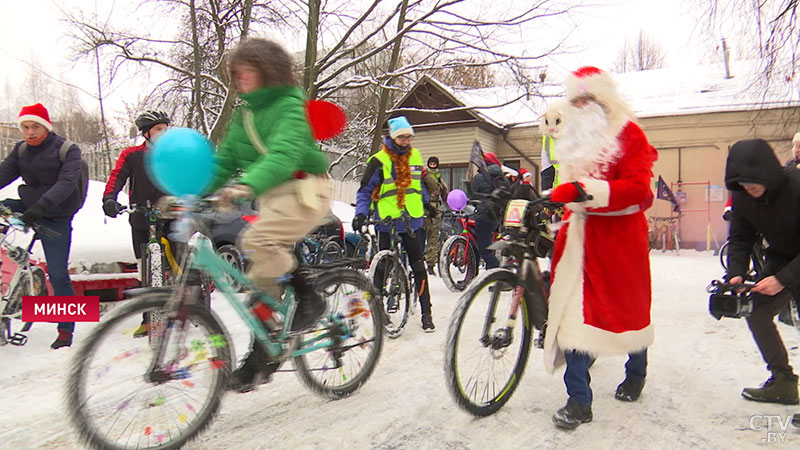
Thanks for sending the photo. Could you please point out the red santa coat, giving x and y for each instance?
(600, 297)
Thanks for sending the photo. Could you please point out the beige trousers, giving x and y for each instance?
(284, 218)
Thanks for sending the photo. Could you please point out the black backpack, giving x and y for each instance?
(501, 182)
(83, 181)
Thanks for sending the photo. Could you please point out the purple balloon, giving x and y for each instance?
(456, 199)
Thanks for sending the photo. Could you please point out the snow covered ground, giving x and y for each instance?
(698, 367)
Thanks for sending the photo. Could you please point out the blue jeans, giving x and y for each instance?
(484, 232)
(577, 377)
(56, 254)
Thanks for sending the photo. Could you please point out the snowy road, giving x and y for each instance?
(698, 367)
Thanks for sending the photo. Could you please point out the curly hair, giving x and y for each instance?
(272, 62)
(403, 173)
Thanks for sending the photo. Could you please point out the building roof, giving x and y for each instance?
(650, 93)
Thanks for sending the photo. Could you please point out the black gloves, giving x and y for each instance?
(111, 207)
(358, 222)
(31, 214)
(726, 216)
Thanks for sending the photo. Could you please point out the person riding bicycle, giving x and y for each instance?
(50, 196)
(487, 220)
(766, 200)
(600, 297)
(130, 165)
(270, 141)
(393, 181)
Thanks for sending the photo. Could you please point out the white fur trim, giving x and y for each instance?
(401, 131)
(600, 191)
(35, 118)
(566, 328)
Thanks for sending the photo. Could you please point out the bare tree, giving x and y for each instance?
(768, 30)
(642, 53)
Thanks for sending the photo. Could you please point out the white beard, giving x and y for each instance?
(587, 145)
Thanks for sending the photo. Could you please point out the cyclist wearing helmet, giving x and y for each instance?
(131, 166)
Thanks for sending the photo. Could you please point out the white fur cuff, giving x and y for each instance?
(600, 191)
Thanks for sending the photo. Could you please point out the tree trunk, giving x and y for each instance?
(312, 31)
(107, 150)
(384, 95)
(227, 106)
(198, 104)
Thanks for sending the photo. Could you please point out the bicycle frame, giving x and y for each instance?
(22, 257)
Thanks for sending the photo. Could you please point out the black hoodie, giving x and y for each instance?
(776, 214)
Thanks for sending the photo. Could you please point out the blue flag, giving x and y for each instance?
(665, 193)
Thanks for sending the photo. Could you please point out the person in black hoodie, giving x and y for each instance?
(766, 199)
(487, 219)
(50, 196)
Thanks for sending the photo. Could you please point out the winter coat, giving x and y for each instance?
(483, 183)
(51, 184)
(280, 120)
(600, 297)
(131, 166)
(373, 177)
(776, 214)
(522, 190)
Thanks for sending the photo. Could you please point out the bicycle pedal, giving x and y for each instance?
(18, 339)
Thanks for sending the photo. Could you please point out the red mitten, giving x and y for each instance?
(565, 193)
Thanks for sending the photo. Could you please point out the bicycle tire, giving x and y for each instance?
(723, 255)
(329, 251)
(453, 255)
(360, 352)
(466, 385)
(395, 299)
(125, 316)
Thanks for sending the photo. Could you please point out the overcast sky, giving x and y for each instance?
(31, 30)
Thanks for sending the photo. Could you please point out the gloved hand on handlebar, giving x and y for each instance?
(229, 196)
(30, 215)
(358, 222)
(565, 193)
(111, 207)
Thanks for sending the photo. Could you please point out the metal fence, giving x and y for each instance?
(100, 164)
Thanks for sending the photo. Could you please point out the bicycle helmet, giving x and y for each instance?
(151, 118)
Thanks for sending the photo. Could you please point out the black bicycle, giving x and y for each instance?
(491, 328)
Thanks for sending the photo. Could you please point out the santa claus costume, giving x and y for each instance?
(599, 302)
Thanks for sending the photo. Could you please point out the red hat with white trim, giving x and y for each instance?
(35, 113)
(594, 83)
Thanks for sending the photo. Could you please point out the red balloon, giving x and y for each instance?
(327, 120)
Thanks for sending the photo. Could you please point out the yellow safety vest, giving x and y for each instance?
(387, 197)
(549, 146)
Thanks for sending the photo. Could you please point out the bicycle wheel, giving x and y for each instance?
(390, 278)
(458, 263)
(113, 401)
(234, 257)
(354, 322)
(330, 251)
(153, 274)
(484, 361)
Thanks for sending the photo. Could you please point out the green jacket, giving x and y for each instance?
(280, 118)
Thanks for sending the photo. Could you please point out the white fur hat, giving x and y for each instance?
(592, 82)
(796, 138)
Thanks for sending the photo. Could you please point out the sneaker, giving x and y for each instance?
(572, 415)
(310, 306)
(431, 270)
(64, 339)
(254, 370)
(427, 323)
(779, 388)
(142, 331)
(629, 390)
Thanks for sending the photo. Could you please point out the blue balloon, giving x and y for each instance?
(181, 162)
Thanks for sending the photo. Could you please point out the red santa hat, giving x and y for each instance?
(35, 113)
(524, 173)
(592, 82)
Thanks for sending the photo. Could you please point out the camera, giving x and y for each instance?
(726, 301)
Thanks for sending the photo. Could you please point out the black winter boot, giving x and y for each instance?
(254, 370)
(310, 306)
(64, 339)
(630, 389)
(572, 415)
(781, 388)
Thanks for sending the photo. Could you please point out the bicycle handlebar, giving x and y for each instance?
(14, 220)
